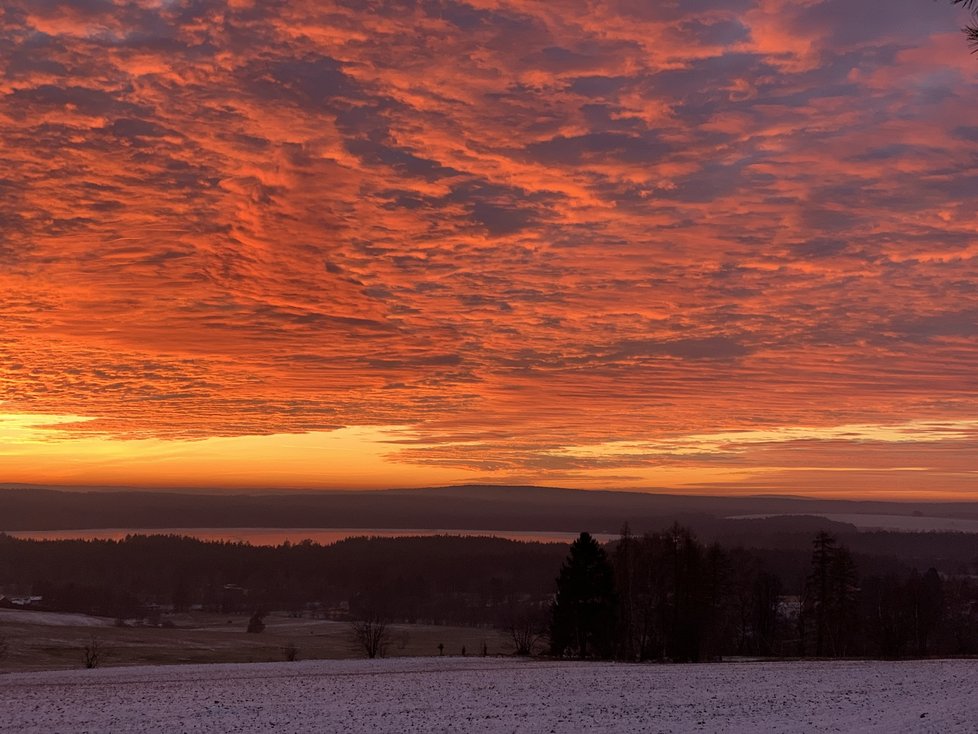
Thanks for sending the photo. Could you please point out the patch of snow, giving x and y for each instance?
(52, 619)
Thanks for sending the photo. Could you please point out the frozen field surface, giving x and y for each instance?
(52, 619)
(497, 695)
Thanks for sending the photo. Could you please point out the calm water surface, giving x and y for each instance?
(277, 536)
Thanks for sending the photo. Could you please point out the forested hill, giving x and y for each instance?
(466, 507)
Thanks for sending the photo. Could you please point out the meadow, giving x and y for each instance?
(48, 641)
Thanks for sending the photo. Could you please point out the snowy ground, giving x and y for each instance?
(496, 695)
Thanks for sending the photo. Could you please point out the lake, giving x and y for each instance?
(277, 536)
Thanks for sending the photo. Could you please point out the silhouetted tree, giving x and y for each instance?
(754, 596)
(685, 608)
(843, 614)
(819, 587)
(970, 30)
(583, 611)
(830, 596)
(886, 616)
(373, 635)
(673, 597)
(926, 597)
(256, 624)
(526, 628)
(960, 617)
(93, 654)
(624, 562)
(765, 603)
(716, 586)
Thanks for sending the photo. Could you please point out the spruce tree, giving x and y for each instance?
(583, 611)
(830, 595)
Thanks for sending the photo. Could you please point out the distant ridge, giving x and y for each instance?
(475, 507)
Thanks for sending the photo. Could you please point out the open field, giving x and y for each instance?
(497, 695)
(46, 640)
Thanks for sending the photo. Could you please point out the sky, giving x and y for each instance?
(709, 246)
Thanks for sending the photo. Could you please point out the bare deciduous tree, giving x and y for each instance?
(93, 653)
(373, 635)
(526, 630)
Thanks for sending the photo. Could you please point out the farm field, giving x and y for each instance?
(50, 640)
(497, 695)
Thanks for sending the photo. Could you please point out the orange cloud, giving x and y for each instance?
(512, 229)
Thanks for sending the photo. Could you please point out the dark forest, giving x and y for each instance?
(658, 596)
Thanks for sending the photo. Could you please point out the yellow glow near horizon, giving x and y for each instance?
(353, 457)
(39, 449)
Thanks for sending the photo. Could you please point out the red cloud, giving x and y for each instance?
(512, 225)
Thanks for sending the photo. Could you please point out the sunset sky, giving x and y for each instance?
(724, 246)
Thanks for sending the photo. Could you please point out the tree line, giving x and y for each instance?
(467, 581)
(659, 596)
(667, 596)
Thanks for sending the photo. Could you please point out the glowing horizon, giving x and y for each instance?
(728, 249)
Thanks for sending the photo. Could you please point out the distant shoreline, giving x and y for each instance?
(278, 536)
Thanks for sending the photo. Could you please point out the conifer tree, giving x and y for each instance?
(583, 611)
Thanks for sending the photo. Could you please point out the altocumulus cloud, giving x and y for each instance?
(513, 226)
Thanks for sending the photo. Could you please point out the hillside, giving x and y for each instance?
(464, 507)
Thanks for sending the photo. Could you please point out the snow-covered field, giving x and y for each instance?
(497, 695)
(52, 619)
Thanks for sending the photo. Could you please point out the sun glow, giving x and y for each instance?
(349, 458)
